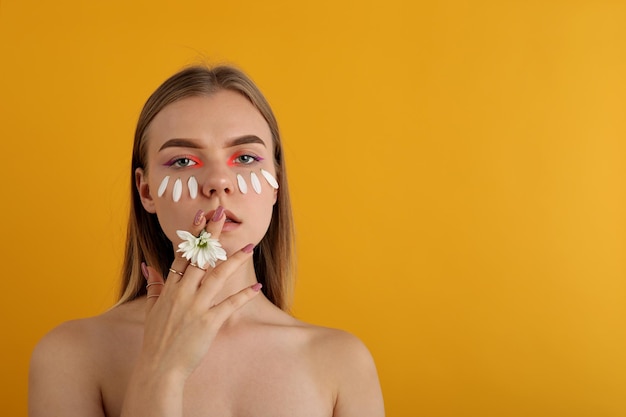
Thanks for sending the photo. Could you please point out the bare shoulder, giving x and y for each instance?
(337, 341)
(66, 366)
(323, 344)
(82, 338)
(347, 355)
(344, 359)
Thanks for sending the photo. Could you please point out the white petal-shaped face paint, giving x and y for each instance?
(178, 190)
(163, 185)
(256, 184)
(193, 187)
(241, 182)
(270, 179)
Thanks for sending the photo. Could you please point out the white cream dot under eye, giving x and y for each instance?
(256, 184)
(163, 186)
(270, 179)
(243, 187)
(193, 187)
(178, 190)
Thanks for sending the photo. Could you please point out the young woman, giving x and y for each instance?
(201, 328)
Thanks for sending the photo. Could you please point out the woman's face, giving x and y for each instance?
(209, 151)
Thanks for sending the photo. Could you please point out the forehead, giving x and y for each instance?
(212, 119)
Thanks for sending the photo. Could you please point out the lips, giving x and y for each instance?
(232, 222)
(230, 217)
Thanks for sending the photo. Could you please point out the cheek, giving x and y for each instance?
(174, 216)
(262, 210)
(190, 188)
(176, 189)
(255, 182)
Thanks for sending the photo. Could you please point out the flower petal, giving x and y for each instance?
(183, 234)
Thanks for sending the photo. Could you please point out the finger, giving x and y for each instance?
(154, 285)
(195, 273)
(180, 265)
(233, 303)
(215, 279)
(215, 224)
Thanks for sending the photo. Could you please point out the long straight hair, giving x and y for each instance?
(146, 241)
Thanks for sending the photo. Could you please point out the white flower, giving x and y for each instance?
(200, 250)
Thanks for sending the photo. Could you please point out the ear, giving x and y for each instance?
(275, 196)
(141, 182)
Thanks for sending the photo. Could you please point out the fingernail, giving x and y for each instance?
(218, 214)
(248, 248)
(144, 270)
(256, 287)
(198, 219)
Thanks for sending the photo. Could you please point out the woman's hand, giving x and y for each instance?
(183, 317)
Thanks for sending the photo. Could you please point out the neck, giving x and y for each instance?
(242, 278)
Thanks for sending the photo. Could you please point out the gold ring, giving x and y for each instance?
(176, 272)
(196, 266)
(154, 283)
(153, 295)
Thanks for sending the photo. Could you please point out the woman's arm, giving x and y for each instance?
(182, 320)
(180, 328)
(183, 317)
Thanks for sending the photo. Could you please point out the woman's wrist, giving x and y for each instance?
(154, 392)
(150, 373)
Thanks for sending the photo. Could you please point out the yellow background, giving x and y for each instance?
(457, 169)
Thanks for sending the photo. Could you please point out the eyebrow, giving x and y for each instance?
(244, 140)
(189, 143)
(179, 143)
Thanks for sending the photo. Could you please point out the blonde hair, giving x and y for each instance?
(146, 241)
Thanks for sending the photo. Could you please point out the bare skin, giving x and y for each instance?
(207, 343)
(261, 363)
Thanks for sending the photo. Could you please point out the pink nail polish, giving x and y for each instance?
(248, 248)
(256, 287)
(144, 270)
(198, 219)
(218, 214)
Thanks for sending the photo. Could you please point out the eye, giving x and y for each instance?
(245, 159)
(183, 162)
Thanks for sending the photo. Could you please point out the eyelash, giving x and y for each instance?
(194, 162)
(174, 161)
(255, 158)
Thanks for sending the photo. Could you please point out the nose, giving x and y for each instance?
(218, 182)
